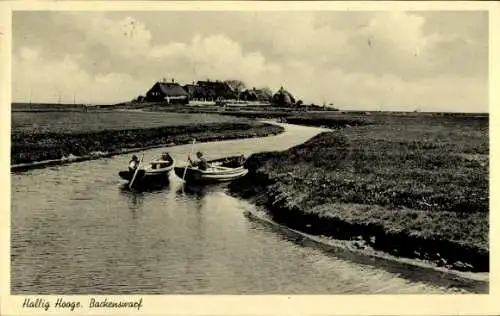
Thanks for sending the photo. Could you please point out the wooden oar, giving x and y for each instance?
(185, 169)
(135, 173)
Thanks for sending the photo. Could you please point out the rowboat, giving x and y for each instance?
(156, 172)
(220, 170)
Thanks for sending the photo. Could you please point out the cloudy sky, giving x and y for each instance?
(430, 61)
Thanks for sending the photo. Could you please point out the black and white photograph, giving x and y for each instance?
(246, 152)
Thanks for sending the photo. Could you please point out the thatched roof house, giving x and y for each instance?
(283, 98)
(195, 92)
(264, 95)
(216, 90)
(170, 92)
(248, 95)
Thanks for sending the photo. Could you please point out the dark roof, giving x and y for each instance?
(170, 89)
(215, 84)
(192, 88)
(208, 83)
(215, 89)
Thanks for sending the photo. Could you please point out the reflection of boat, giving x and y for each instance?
(219, 170)
(151, 185)
(155, 173)
(134, 198)
(199, 190)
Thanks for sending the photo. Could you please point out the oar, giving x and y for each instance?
(135, 173)
(185, 169)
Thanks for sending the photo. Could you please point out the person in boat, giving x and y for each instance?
(202, 162)
(133, 164)
(166, 160)
(241, 160)
(166, 157)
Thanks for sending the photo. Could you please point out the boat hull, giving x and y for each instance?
(212, 175)
(148, 176)
(142, 175)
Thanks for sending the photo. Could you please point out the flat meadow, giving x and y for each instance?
(412, 185)
(48, 135)
(68, 122)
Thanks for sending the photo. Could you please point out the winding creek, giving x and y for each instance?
(76, 230)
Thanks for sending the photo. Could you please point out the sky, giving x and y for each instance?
(379, 60)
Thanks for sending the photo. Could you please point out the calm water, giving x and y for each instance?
(75, 230)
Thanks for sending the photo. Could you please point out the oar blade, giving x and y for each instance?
(187, 163)
(135, 173)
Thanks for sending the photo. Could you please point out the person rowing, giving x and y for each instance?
(164, 161)
(202, 162)
(166, 157)
(133, 164)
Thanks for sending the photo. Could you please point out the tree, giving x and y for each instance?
(238, 86)
(265, 94)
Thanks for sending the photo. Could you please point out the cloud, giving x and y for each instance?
(214, 57)
(368, 91)
(388, 60)
(62, 80)
(128, 37)
(67, 76)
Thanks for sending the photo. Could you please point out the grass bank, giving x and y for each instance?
(411, 187)
(54, 135)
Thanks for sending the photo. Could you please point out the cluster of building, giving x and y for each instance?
(212, 91)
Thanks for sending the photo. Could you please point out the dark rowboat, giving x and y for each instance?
(220, 170)
(155, 173)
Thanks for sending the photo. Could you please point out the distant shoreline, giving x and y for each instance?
(39, 107)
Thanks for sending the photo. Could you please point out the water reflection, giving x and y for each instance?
(134, 199)
(147, 186)
(410, 272)
(199, 191)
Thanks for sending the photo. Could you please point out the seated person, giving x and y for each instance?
(166, 160)
(202, 164)
(241, 160)
(133, 163)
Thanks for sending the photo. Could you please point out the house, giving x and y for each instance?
(216, 90)
(168, 92)
(249, 95)
(195, 92)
